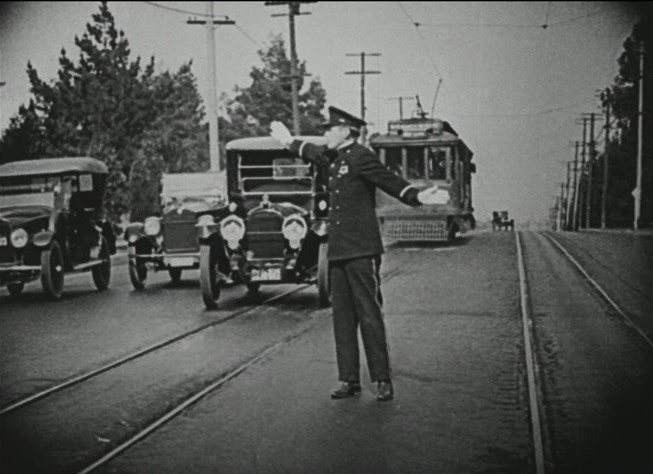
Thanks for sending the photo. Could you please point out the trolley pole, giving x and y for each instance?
(214, 134)
(606, 158)
(637, 192)
(363, 72)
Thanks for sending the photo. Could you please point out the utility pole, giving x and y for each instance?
(568, 200)
(576, 187)
(401, 105)
(604, 193)
(560, 204)
(363, 72)
(590, 172)
(214, 135)
(293, 11)
(582, 188)
(637, 193)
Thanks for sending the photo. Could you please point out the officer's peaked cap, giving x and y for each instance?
(338, 117)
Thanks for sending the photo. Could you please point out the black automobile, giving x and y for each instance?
(52, 223)
(169, 242)
(274, 229)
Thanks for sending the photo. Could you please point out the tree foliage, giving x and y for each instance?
(109, 106)
(623, 99)
(269, 98)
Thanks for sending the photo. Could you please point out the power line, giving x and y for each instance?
(248, 36)
(177, 10)
(416, 25)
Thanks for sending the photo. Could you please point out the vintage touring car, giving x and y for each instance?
(51, 223)
(275, 228)
(170, 242)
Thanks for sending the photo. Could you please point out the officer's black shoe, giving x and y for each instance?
(384, 391)
(346, 390)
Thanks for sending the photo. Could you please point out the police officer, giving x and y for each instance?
(355, 245)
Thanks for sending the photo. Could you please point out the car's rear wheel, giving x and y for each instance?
(15, 289)
(102, 272)
(209, 276)
(175, 274)
(323, 289)
(137, 273)
(52, 271)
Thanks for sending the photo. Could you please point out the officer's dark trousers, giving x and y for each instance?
(356, 300)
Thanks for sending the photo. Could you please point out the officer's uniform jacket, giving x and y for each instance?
(354, 174)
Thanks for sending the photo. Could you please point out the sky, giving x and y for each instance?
(512, 89)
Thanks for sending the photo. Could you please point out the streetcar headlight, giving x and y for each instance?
(232, 229)
(152, 226)
(19, 238)
(294, 229)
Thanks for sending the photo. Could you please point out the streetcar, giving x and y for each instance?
(426, 152)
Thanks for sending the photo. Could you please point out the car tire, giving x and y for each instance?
(15, 289)
(137, 273)
(323, 289)
(253, 288)
(52, 271)
(102, 273)
(175, 274)
(209, 277)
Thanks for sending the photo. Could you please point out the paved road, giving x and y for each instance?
(454, 320)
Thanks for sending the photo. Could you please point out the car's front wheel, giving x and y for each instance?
(175, 274)
(52, 271)
(102, 272)
(137, 273)
(15, 289)
(209, 276)
(323, 275)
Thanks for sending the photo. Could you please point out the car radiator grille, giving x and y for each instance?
(6, 252)
(264, 235)
(180, 236)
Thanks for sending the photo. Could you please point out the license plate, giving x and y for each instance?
(3, 241)
(180, 261)
(266, 274)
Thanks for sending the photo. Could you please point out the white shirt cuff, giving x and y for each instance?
(301, 147)
(403, 191)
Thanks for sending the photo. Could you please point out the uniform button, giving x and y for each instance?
(337, 222)
(337, 207)
(337, 191)
(333, 165)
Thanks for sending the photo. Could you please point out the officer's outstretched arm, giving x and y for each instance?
(309, 152)
(372, 170)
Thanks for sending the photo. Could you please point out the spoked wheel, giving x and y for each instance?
(175, 274)
(15, 289)
(323, 289)
(253, 288)
(209, 277)
(102, 273)
(137, 273)
(52, 271)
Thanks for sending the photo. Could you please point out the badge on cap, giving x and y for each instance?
(344, 169)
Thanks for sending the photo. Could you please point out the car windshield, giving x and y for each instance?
(32, 191)
(259, 174)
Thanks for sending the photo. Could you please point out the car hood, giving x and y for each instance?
(284, 208)
(19, 216)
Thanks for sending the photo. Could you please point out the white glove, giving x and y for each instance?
(433, 195)
(280, 133)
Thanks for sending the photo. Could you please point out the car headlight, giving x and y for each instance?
(232, 207)
(294, 229)
(152, 226)
(19, 238)
(232, 229)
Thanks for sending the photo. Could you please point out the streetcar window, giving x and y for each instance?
(415, 163)
(394, 161)
(436, 163)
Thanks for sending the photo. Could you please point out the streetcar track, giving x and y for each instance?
(623, 316)
(611, 270)
(531, 361)
(76, 380)
(214, 386)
